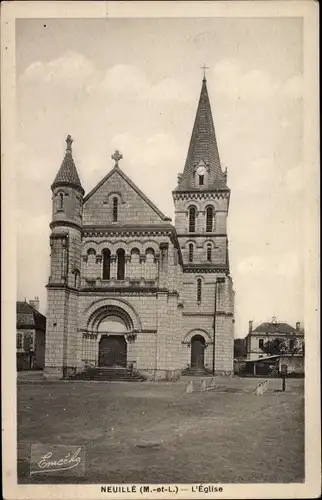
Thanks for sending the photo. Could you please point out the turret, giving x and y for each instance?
(66, 222)
(67, 190)
(65, 265)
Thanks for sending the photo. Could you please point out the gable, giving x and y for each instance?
(133, 206)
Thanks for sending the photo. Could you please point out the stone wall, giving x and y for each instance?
(132, 208)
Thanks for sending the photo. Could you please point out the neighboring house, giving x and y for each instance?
(129, 288)
(292, 339)
(31, 328)
(272, 365)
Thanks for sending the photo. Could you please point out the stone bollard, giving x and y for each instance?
(189, 386)
(203, 385)
(212, 384)
(261, 388)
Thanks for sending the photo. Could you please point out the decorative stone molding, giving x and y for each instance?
(85, 258)
(201, 195)
(197, 331)
(89, 336)
(97, 308)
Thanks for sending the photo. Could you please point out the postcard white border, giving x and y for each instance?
(308, 10)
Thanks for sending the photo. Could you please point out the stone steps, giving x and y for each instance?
(196, 372)
(108, 374)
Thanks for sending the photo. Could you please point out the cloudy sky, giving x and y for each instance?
(134, 84)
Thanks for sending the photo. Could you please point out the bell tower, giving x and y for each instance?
(201, 201)
(65, 265)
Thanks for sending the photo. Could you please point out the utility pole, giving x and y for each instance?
(218, 280)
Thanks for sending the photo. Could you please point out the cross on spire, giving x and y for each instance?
(117, 156)
(69, 142)
(204, 68)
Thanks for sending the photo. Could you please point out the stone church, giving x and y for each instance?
(127, 288)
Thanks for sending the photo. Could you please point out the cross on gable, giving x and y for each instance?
(117, 156)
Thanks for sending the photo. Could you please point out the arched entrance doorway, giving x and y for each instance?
(112, 350)
(197, 351)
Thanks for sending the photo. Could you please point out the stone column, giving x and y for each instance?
(113, 272)
(157, 267)
(142, 262)
(127, 267)
(163, 273)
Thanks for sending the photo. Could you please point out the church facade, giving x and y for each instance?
(127, 287)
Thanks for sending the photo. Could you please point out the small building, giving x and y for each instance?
(30, 341)
(291, 338)
(272, 366)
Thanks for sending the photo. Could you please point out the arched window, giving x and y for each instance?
(192, 219)
(115, 209)
(209, 219)
(120, 264)
(190, 252)
(106, 264)
(76, 278)
(209, 252)
(199, 290)
(61, 201)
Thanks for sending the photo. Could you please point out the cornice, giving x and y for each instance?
(128, 230)
(204, 268)
(199, 195)
(203, 235)
(128, 290)
(65, 223)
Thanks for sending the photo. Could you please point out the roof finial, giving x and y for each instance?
(69, 142)
(117, 156)
(204, 68)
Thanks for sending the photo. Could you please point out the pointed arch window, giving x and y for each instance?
(199, 289)
(120, 264)
(190, 252)
(209, 249)
(192, 219)
(209, 219)
(106, 264)
(115, 209)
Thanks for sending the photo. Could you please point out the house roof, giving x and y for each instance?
(29, 317)
(129, 181)
(67, 174)
(203, 148)
(275, 328)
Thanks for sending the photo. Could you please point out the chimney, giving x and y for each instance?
(250, 327)
(298, 326)
(35, 303)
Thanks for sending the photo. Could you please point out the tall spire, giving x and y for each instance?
(67, 174)
(203, 149)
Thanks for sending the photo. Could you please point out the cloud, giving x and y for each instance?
(234, 83)
(73, 70)
(124, 78)
(70, 69)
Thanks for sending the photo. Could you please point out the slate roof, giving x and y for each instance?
(203, 148)
(275, 328)
(29, 317)
(67, 174)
